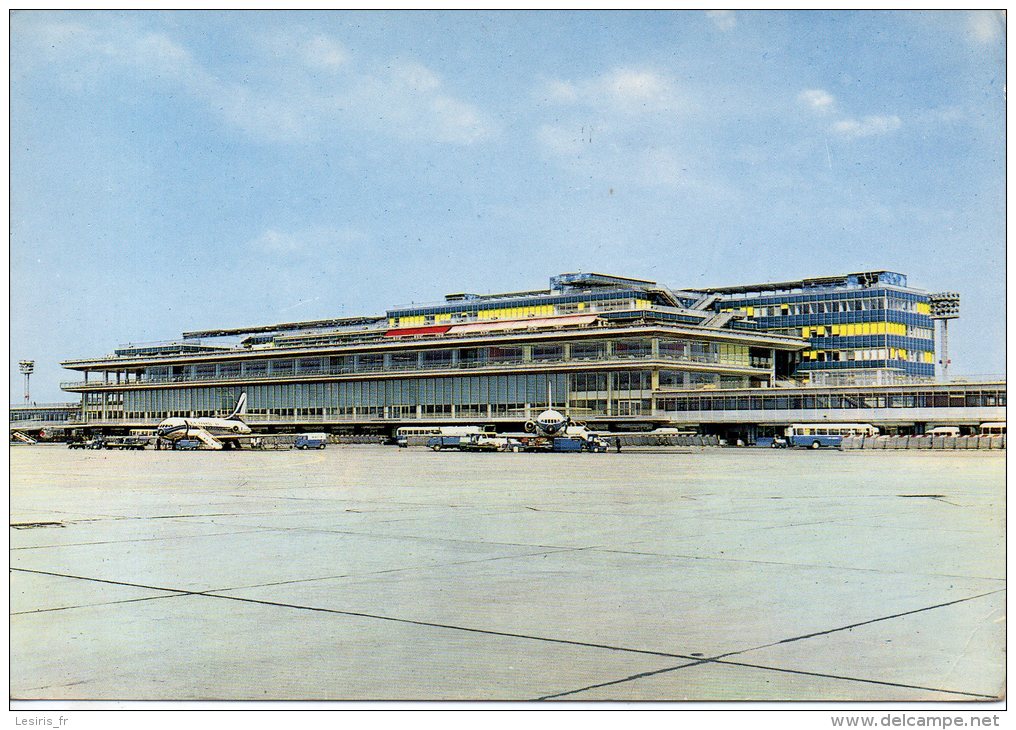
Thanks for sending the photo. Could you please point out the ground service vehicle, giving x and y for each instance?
(311, 441)
(126, 443)
(95, 443)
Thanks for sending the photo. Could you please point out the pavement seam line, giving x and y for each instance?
(358, 614)
(394, 570)
(849, 679)
(640, 675)
(91, 605)
(719, 659)
(676, 556)
(860, 623)
(250, 531)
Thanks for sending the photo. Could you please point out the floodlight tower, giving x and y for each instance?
(944, 306)
(27, 367)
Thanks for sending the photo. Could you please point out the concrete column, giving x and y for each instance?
(655, 348)
(527, 353)
(566, 351)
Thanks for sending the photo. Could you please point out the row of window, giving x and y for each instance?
(468, 357)
(778, 402)
(897, 298)
(790, 320)
(863, 328)
(476, 390)
(890, 353)
(531, 306)
(63, 414)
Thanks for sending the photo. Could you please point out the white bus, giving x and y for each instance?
(993, 428)
(420, 434)
(817, 435)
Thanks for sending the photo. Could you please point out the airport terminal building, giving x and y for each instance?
(612, 351)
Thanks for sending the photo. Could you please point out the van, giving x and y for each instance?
(943, 431)
(311, 441)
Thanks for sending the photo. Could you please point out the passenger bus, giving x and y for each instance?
(817, 435)
(420, 434)
(993, 428)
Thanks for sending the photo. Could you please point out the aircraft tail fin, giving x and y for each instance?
(241, 409)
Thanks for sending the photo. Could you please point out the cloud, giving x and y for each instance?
(818, 100)
(281, 95)
(620, 90)
(723, 19)
(867, 127)
(822, 102)
(621, 127)
(324, 52)
(986, 26)
(560, 140)
(303, 242)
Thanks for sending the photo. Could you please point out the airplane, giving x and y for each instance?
(215, 433)
(550, 422)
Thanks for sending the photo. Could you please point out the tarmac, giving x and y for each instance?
(376, 573)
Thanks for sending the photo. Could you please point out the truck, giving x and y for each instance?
(127, 443)
(92, 443)
(311, 441)
(437, 443)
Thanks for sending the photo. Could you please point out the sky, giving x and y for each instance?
(174, 171)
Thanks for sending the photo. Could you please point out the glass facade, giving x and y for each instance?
(969, 396)
(593, 345)
(506, 396)
(856, 323)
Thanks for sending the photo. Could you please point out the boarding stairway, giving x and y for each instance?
(720, 319)
(705, 301)
(22, 438)
(206, 438)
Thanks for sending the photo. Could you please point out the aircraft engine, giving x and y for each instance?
(530, 426)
